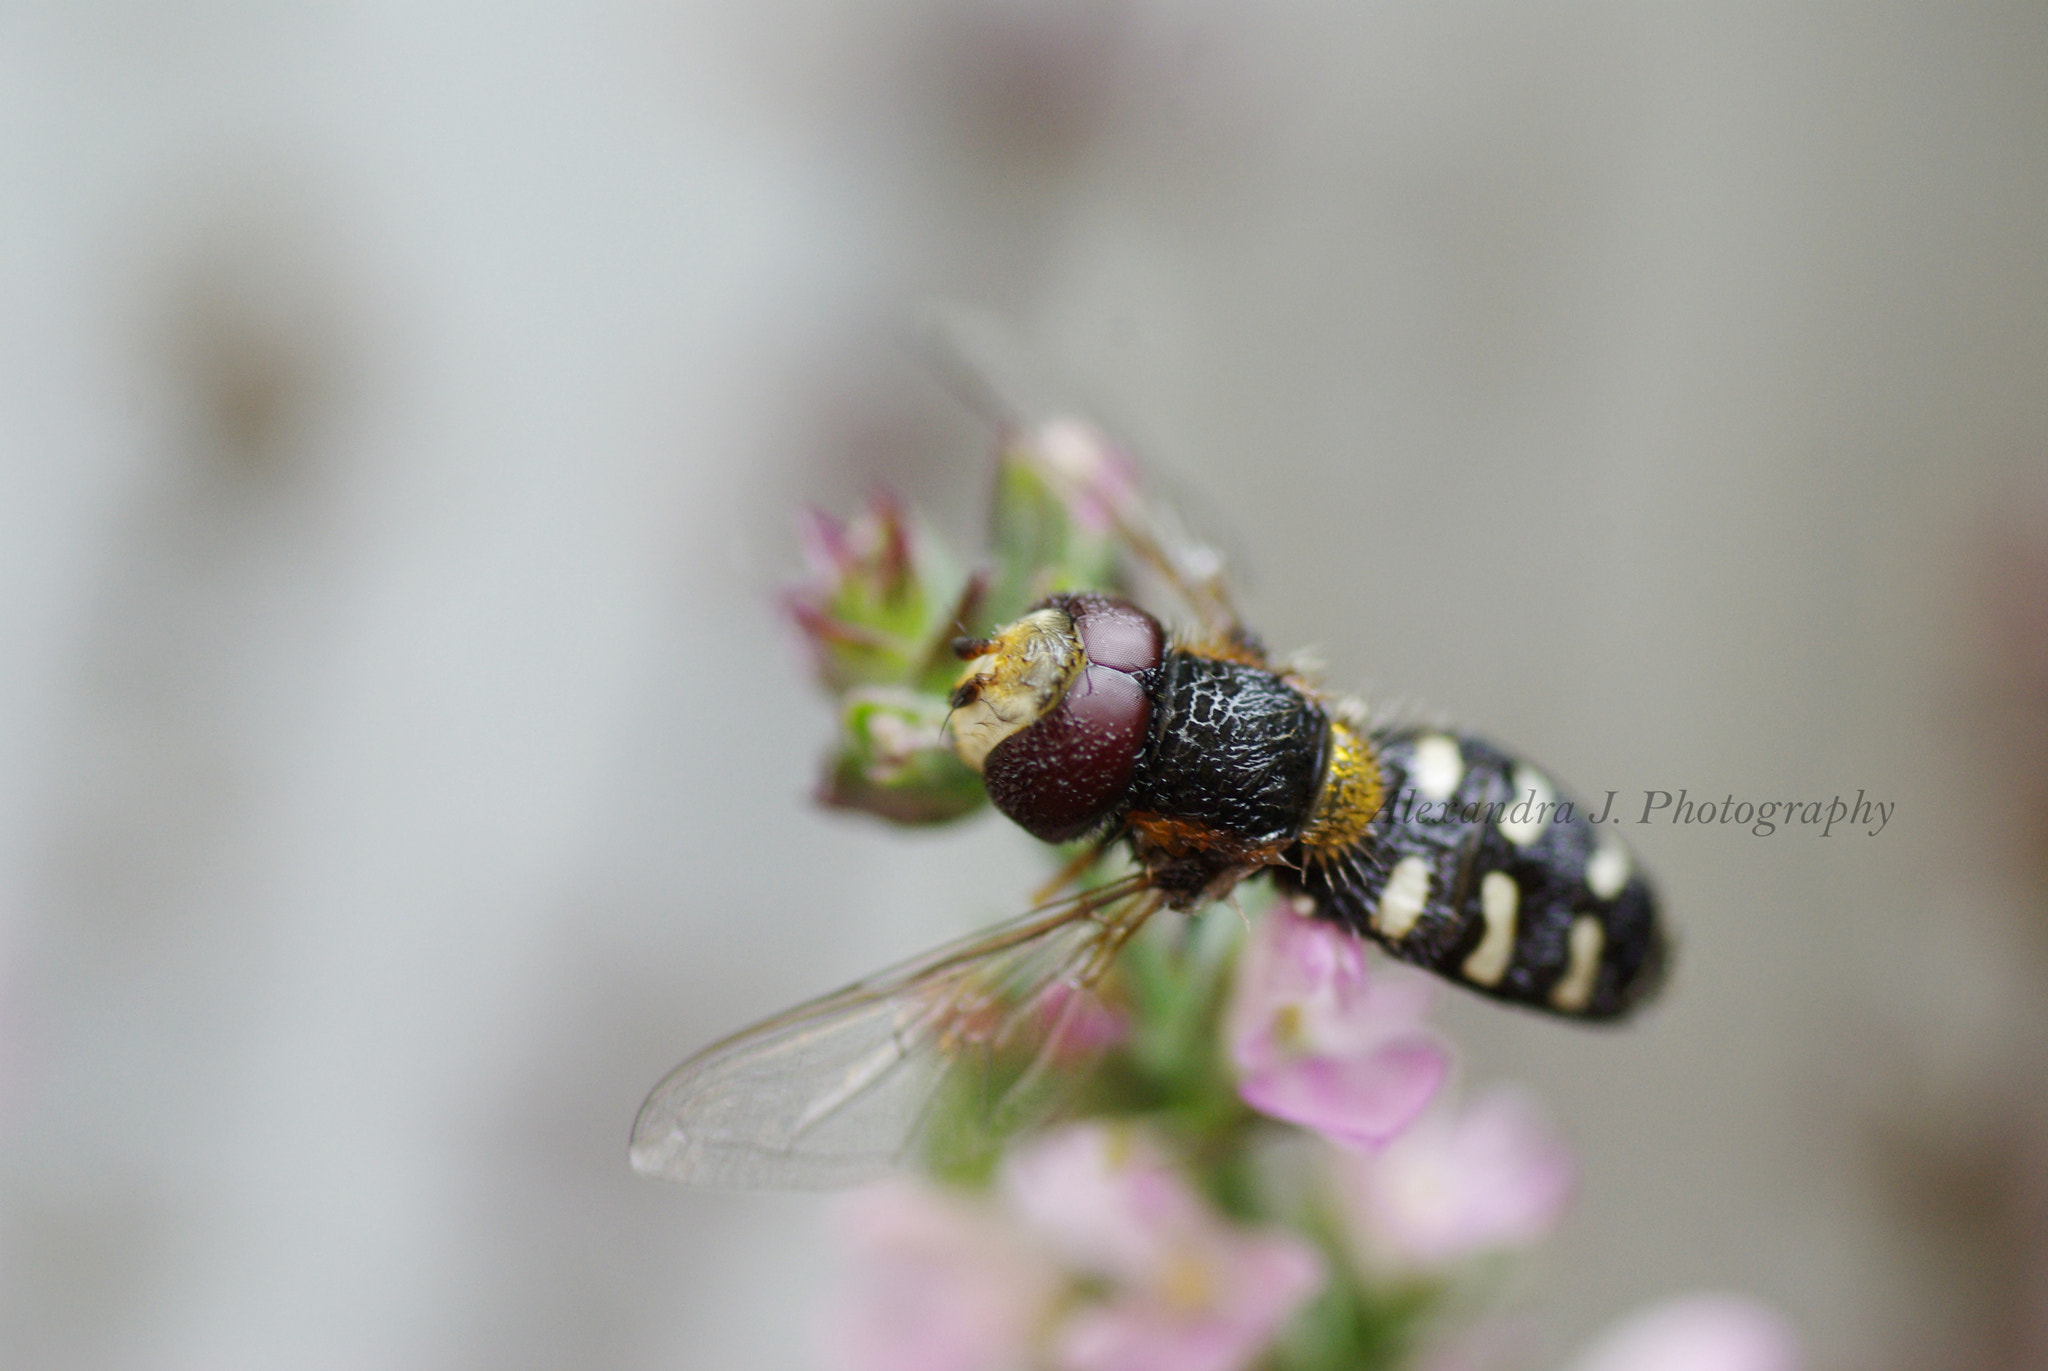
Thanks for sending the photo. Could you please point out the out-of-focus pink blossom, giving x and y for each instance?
(1097, 482)
(1319, 1043)
(1084, 1024)
(1696, 1333)
(1093, 1255)
(937, 1282)
(1489, 1176)
(1216, 1311)
(863, 609)
(874, 547)
(1187, 1291)
(1102, 1197)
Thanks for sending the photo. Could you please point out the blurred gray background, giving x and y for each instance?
(402, 410)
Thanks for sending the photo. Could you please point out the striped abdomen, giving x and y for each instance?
(1475, 868)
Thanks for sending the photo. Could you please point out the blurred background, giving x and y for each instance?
(401, 417)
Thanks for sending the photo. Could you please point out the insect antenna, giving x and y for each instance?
(946, 649)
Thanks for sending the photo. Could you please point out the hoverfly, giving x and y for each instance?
(1204, 763)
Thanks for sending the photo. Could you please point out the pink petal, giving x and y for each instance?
(823, 540)
(1102, 1197)
(1186, 1289)
(935, 1282)
(1099, 483)
(1697, 1333)
(1315, 975)
(1085, 1024)
(1319, 1042)
(1360, 1100)
(1492, 1176)
(1136, 1336)
(1250, 1285)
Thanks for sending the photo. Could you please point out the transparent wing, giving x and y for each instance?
(846, 1088)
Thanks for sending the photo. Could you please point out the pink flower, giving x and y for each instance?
(1084, 1024)
(1697, 1333)
(1098, 484)
(1103, 1198)
(1187, 1291)
(937, 1282)
(1454, 1186)
(865, 611)
(1092, 1255)
(1213, 1316)
(875, 547)
(1318, 1044)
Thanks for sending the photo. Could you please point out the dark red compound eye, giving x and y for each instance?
(1060, 776)
(1115, 633)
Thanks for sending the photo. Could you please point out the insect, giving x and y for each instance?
(1207, 764)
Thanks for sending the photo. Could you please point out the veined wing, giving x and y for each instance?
(844, 1089)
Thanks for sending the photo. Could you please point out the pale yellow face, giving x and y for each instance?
(1015, 683)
